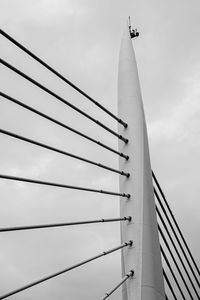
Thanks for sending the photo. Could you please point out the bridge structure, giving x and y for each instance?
(156, 262)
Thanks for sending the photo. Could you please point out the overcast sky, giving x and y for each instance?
(81, 39)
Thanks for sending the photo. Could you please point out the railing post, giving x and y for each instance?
(144, 257)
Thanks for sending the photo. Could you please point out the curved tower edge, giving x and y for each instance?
(144, 257)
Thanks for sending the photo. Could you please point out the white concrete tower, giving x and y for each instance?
(144, 257)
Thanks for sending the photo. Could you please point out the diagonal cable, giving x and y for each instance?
(175, 222)
(124, 279)
(177, 252)
(174, 260)
(169, 266)
(36, 83)
(22, 138)
(30, 227)
(169, 285)
(177, 239)
(65, 270)
(8, 177)
(11, 39)
(61, 124)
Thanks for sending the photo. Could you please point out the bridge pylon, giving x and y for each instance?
(144, 256)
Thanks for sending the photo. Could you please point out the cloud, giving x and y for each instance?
(37, 167)
(182, 122)
(81, 39)
(105, 181)
(42, 12)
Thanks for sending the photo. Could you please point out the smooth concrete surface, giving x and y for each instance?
(144, 257)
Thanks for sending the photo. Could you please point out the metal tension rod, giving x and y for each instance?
(22, 138)
(130, 274)
(6, 64)
(169, 266)
(169, 285)
(3, 176)
(178, 228)
(17, 228)
(177, 252)
(62, 124)
(177, 239)
(175, 262)
(65, 270)
(61, 77)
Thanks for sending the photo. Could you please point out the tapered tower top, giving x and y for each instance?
(144, 257)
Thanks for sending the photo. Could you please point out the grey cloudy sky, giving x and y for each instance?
(81, 39)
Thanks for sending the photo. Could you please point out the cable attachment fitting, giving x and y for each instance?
(130, 274)
(130, 243)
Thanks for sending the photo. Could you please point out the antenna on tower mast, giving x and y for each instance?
(133, 32)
